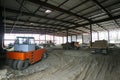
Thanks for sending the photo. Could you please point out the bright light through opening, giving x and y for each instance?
(31, 23)
(48, 11)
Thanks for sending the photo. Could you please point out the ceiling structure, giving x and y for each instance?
(76, 16)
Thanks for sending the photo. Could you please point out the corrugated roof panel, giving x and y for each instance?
(34, 19)
(118, 20)
(109, 2)
(83, 29)
(9, 4)
(97, 28)
(62, 16)
(42, 20)
(55, 2)
(101, 17)
(82, 22)
(96, 15)
(89, 10)
(109, 25)
(31, 6)
(69, 18)
(8, 21)
(70, 4)
(23, 17)
(10, 15)
(91, 13)
(114, 7)
(83, 7)
(51, 21)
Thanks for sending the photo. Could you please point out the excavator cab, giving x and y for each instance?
(24, 53)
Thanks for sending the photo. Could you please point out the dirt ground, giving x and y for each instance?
(70, 65)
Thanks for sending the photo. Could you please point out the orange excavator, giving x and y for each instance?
(25, 53)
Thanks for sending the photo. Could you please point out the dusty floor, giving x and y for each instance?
(71, 65)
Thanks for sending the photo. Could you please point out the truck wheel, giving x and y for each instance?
(22, 64)
(9, 62)
(14, 64)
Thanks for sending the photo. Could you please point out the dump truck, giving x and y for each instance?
(71, 45)
(100, 46)
(24, 53)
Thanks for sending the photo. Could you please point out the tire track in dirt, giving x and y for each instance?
(75, 65)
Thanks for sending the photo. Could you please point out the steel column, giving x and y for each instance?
(67, 35)
(90, 35)
(1, 31)
(39, 38)
(98, 35)
(108, 36)
(53, 38)
(82, 39)
(76, 38)
(62, 39)
(45, 37)
(71, 38)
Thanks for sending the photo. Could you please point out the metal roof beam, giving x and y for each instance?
(29, 26)
(97, 21)
(94, 22)
(105, 10)
(8, 27)
(89, 8)
(97, 9)
(57, 8)
(72, 8)
(76, 7)
(101, 27)
(74, 32)
(69, 33)
(35, 15)
(81, 30)
(86, 28)
(20, 20)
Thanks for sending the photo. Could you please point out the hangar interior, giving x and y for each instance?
(81, 39)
